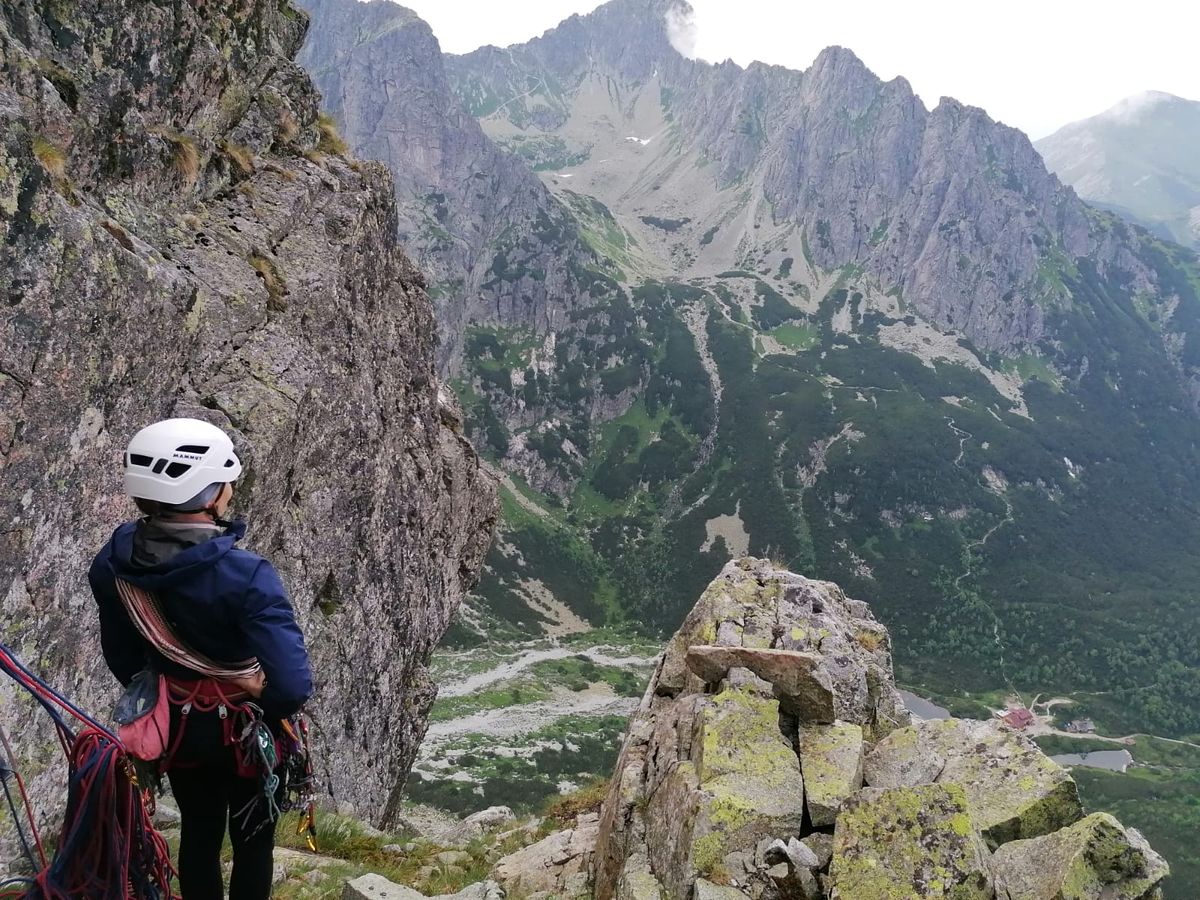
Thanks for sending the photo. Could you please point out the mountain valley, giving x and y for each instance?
(698, 311)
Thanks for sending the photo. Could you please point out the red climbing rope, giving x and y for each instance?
(108, 848)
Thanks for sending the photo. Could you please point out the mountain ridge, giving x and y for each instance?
(1134, 158)
(836, 83)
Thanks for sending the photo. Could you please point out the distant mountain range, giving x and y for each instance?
(700, 310)
(1141, 158)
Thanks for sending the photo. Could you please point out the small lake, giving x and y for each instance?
(925, 709)
(1113, 760)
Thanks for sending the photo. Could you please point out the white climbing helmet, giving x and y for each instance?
(175, 460)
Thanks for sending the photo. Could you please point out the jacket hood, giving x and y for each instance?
(182, 566)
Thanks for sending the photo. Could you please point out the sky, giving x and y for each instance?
(1034, 64)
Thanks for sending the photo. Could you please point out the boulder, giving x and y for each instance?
(820, 845)
(752, 605)
(707, 890)
(800, 683)
(638, 882)
(477, 824)
(909, 842)
(749, 782)
(1015, 791)
(725, 787)
(484, 890)
(831, 759)
(559, 864)
(376, 887)
(905, 758)
(1094, 859)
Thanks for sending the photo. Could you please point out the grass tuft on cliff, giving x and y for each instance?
(241, 156)
(51, 157)
(185, 154)
(331, 140)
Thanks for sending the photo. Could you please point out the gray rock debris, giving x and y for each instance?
(477, 824)
(376, 887)
(557, 866)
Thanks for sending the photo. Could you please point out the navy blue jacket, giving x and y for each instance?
(224, 602)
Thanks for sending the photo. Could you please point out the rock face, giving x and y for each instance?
(1013, 789)
(181, 235)
(919, 839)
(949, 207)
(502, 250)
(728, 787)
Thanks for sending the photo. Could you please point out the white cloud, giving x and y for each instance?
(681, 29)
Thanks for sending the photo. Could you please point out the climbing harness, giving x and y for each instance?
(108, 848)
(259, 752)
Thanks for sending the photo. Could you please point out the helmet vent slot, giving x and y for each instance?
(191, 448)
(139, 459)
(229, 463)
(159, 466)
(175, 469)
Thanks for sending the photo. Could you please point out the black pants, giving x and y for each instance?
(210, 794)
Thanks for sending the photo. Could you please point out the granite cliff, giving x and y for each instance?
(497, 246)
(182, 233)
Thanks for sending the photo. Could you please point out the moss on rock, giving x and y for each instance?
(911, 842)
(1094, 859)
(831, 759)
(1014, 790)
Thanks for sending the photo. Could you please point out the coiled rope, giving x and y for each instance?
(108, 848)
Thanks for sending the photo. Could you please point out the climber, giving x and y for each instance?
(217, 602)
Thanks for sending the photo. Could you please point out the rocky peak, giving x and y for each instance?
(838, 75)
(478, 221)
(771, 757)
(629, 37)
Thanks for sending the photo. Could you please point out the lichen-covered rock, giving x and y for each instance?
(1094, 859)
(913, 842)
(799, 680)
(709, 769)
(638, 882)
(832, 763)
(1014, 790)
(749, 778)
(904, 758)
(376, 887)
(753, 605)
(177, 236)
(707, 890)
(721, 790)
